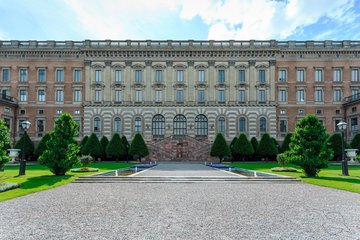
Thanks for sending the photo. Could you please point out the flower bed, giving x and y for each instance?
(4, 186)
(84, 169)
(283, 169)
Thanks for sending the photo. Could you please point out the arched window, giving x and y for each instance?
(221, 125)
(137, 125)
(158, 125)
(180, 125)
(97, 124)
(201, 125)
(117, 125)
(242, 124)
(262, 125)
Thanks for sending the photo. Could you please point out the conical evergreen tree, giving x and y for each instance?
(254, 142)
(25, 144)
(286, 142)
(103, 143)
(334, 142)
(83, 142)
(267, 148)
(126, 144)
(42, 145)
(220, 148)
(231, 146)
(138, 147)
(115, 148)
(243, 147)
(355, 143)
(92, 147)
(4, 142)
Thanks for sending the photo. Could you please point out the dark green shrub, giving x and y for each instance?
(276, 144)
(103, 144)
(231, 147)
(355, 143)
(334, 142)
(220, 148)
(126, 144)
(267, 148)
(286, 142)
(83, 142)
(308, 148)
(4, 142)
(62, 151)
(243, 147)
(86, 160)
(25, 144)
(254, 142)
(138, 147)
(42, 145)
(92, 147)
(281, 159)
(115, 148)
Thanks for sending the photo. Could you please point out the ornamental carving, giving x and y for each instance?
(169, 63)
(201, 66)
(241, 85)
(158, 86)
(138, 66)
(262, 85)
(98, 85)
(158, 66)
(118, 66)
(138, 86)
(97, 65)
(118, 85)
(221, 66)
(201, 85)
(128, 63)
(180, 66)
(180, 85)
(220, 85)
(242, 65)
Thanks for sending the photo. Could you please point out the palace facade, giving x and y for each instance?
(175, 90)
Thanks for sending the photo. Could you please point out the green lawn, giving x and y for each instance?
(328, 177)
(39, 178)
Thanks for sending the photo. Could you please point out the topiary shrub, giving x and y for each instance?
(334, 142)
(231, 147)
(25, 144)
(62, 151)
(42, 145)
(220, 148)
(83, 142)
(286, 142)
(254, 142)
(281, 159)
(126, 144)
(103, 144)
(115, 148)
(4, 141)
(92, 147)
(138, 147)
(308, 147)
(243, 147)
(267, 148)
(355, 143)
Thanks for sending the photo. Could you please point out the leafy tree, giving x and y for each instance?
(25, 144)
(308, 148)
(115, 148)
(92, 147)
(126, 144)
(138, 147)
(62, 151)
(220, 148)
(4, 141)
(243, 147)
(355, 143)
(334, 142)
(103, 143)
(231, 146)
(42, 145)
(267, 148)
(286, 142)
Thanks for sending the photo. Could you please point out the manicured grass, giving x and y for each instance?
(39, 178)
(328, 177)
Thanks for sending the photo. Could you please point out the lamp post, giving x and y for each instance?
(344, 166)
(25, 126)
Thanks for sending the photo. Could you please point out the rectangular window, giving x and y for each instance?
(158, 75)
(241, 96)
(300, 95)
(282, 76)
(262, 96)
(40, 126)
(221, 76)
(138, 96)
(300, 75)
(201, 95)
(77, 95)
(319, 95)
(59, 75)
(118, 96)
(41, 95)
(262, 78)
(98, 75)
(23, 95)
(354, 124)
(98, 95)
(179, 95)
(138, 76)
(282, 95)
(336, 122)
(41, 75)
(241, 75)
(5, 74)
(337, 95)
(158, 96)
(5, 92)
(180, 75)
(283, 126)
(23, 74)
(355, 75)
(59, 95)
(318, 75)
(201, 75)
(337, 75)
(354, 91)
(77, 75)
(221, 95)
(118, 75)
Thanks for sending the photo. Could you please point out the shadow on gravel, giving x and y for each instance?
(48, 180)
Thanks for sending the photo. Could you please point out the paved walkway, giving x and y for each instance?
(173, 169)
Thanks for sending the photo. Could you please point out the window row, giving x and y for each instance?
(23, 75)
(318, 95)
(337, 75)
(179, 125)
(41, 95)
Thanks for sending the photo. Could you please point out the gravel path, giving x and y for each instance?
(183, 211)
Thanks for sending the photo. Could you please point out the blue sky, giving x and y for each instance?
(180, 19)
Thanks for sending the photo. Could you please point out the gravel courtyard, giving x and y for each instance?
(183, 211)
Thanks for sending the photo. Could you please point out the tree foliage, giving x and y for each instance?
(335, 142)
(42, 145)
(92, 147)
(267, 148)
(243, 147)
(83, 142)
(231, 147)
(115, 148)
(286, 142)
(355, 143)
(25, 144)
(308, 148)
(220, 148)
(103, 144)
(138, 147)
(4, 142)
(62, 151)
(126, 144)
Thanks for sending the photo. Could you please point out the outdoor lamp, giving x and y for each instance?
(344, 166)
(25, 125)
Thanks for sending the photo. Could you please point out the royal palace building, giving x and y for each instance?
(179, 94)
